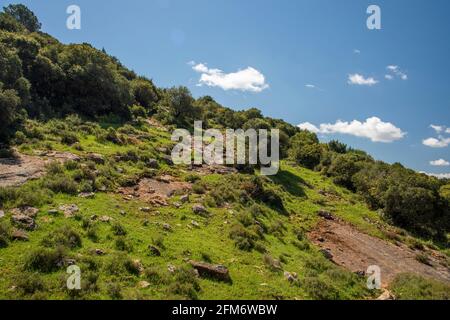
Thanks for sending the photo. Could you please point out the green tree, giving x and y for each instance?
(9, 114)
(24, 16)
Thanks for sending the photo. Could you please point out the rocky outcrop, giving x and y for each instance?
(207, 270)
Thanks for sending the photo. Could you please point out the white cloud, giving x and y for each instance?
(310, 86)
(395, 70)
(448, 130)
(308, 126)
(373, 128)
(248, 79)
(358, 79)
(441, 142)
(438, 175)
(357, 51)
(440, 163)
(436, 128)
(389, 77)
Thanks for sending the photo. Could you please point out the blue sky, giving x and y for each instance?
(291, 43)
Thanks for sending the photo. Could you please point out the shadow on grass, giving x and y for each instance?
(291, 183)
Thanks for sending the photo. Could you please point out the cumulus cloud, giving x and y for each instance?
(389, 77)
(395, 71)
(440, 163)
(248, 79)
(373, 128)
(360, 80)
(440, 142)
(438, 175)
(309, 126)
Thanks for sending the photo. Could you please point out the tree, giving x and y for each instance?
(145, 93)
(10, 24)
(9, 103)
(24, 16)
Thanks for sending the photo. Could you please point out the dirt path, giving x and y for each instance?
(356, 251)
(18, 170)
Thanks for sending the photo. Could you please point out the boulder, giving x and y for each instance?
(195, 224)
(99, 252)
(143, 284)
(145, 209)
(87, 195)
(28, 211)
(2, 214)
(154, 251)
(184, 198)
(95, 157)
(19, 235)
(200, 210)
(106, 219)
(69, 210)
(291, 276)
(327, 254)
(218, 272)
(23, 221)
(153, 163)
(325, 214)
(167, 227)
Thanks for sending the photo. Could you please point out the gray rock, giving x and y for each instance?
(145, 209)
(95, 157)
(167, 227)
(69, 210)
(327, 254)
(153, 163)
(154, 251)
(200, 210)
(53, 212)
(325, 214)
(19, 235)
(195, 224)
(167, 159)
(87, 195)
(218, 272)
(290, 276)
(2, 214)
(23, 221)
(28, 211)
(184, 198)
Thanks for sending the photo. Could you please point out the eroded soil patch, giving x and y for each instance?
(356, 251)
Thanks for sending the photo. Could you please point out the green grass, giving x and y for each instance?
(113, 276)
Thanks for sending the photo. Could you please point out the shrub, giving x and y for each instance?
(155, 276)
(243, 238)
(274, 265)
(69, 138)
(114, 291)
(118, 229)
(4, 235)
(199, 188)
(61, 184)
(319, 290)
(192, 178)
(186, 284)
(121, 264)
(28, 283)
(45, 260)
(122, 244)
(413, 287)
(64, 236)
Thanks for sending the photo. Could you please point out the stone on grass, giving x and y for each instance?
(208, 270)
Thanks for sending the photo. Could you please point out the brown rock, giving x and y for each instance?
(218, 272)
(23, 222)
(325, 214)
(69, 210)
(95, 157)
(19, 235)
(200, 210)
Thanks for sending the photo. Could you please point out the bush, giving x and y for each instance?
(413, 287)
(64, 236)
(243, 238)
(118, 229)
(28, 284)
(318, 289)
(69, 138)
(4, 235)
(122, 244)
(114, 291)
(186, 284)
(155, 276)
(61, 183)
(45, 260)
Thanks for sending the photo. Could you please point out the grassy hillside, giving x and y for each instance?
(252, 236)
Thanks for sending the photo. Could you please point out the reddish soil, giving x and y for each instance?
(155, 191)
(356, 251)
